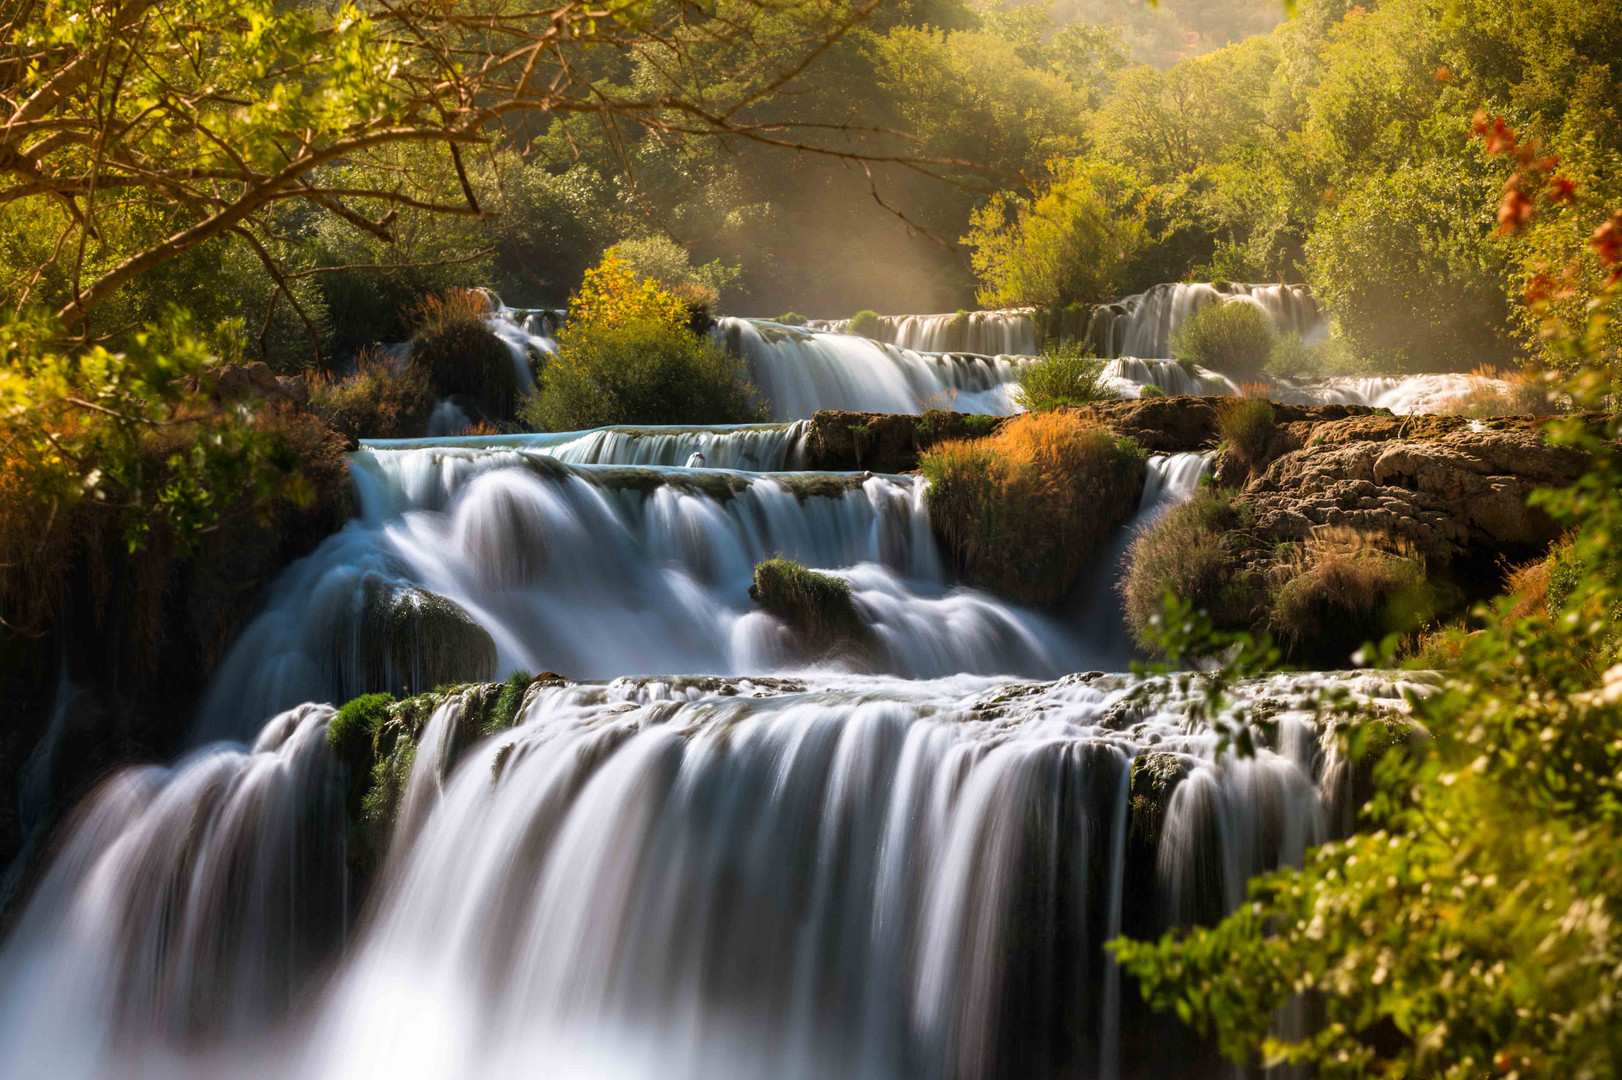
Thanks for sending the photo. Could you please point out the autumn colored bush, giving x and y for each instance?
(462, 355)
(382, 398)
(1022, 510)
(1189, 553)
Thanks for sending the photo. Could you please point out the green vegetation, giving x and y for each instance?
(1061, 380)
(817, 606)
(461, 354)
(1347, 596)
(864, 323)
(1468, 929)
(1022, 510)
(504, 711)
(1188, 553)
(628, 355)
(380, 399)
(1233, 338)
(1247, 425)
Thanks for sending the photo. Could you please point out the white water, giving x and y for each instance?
(800, 371)
(660, 878)
(747, 447)
(596, 571)
(1010, 331)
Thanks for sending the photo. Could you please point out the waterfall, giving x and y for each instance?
(1010, 331)
(747, 447)
(1143, 324)
(597, 570)
(665, 878)
(799, 371)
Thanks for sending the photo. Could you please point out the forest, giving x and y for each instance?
(902, 538)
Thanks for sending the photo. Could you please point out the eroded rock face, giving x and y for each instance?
(411, 639)
(1460, 494)
(885, 442)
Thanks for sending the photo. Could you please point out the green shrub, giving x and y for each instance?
(1342, 600)
(381, 399)
(818, 606)
(1023, 510)
(1248, 426)
(791, 318)
(865, 323)
(1233, 337)
(462, 355)
(1060, 379)
(1151, 390)
(641, 372)
(1189, 554)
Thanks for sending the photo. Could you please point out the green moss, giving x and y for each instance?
(819, 607)
(504, 710)
(865, 323)
(352, 731)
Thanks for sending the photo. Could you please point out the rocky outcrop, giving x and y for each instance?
(411, 639)
(885, 442)
(1172, 425)
(1447, 497)
(817, 608)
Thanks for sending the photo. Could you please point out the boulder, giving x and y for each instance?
(411, 640)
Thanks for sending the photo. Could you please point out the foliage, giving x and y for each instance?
(613, 294)
(1023, 509)
(1187, 554)
(641, 371)
(1232, 337)
(504, 711)
(1472, 929)
(1341, 596)
(379, 399)
(662, 260)
(1073, 243)
(1247, 425)
(1061, 380)
(461, 354)
(352, 731)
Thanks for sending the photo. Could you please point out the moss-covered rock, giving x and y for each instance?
(410, 638)
(1155, 775)
(819, 608)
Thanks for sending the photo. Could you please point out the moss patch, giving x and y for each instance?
(819, 607)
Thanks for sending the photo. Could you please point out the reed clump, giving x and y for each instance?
(1022, 510)
(382, 398)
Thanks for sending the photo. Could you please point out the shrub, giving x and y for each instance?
(1022, 510)
(1189, 553)
(461, 354)
(1151, 390)
(640, 372)
(1522, 393)
(1248, 426)
(1233, 337)
(381, 399)
(791, 318)
(1061, 378)
(865, 323)
(1342, 599)
(818, 606)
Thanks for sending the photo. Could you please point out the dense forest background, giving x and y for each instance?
(1043, 154)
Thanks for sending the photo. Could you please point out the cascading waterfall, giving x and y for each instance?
(672, 878)
(799, 371)
(1143, 324)
(745, 447)
(1009, 331)
(599, 570)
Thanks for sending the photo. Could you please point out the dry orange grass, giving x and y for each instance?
(1522, 393)
(1022, 510)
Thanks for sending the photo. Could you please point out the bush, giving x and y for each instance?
(1233, 337)
(1189, 554)
(1522, 394)
(640, 372)
(1343, 599)
(1061, 379)
(1151, 390)
(791, 318)
(381, 399)
(1022, 510)
(864, 323)
(1248, 427)
(818, 606)
(462, 355)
